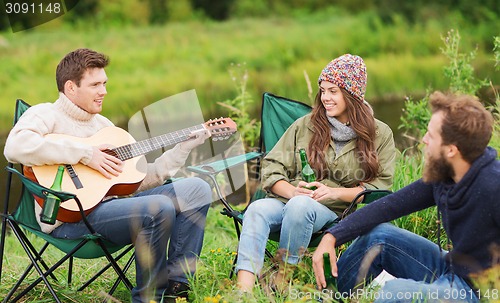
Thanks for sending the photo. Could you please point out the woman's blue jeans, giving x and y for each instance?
(296, 221)
(422, 274)
(174, 212)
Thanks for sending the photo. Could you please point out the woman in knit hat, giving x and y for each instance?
(348, 149)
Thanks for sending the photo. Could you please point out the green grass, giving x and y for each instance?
(211, 282)
(149, 63)
(15, 262)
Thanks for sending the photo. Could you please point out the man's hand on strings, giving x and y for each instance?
(108, 165)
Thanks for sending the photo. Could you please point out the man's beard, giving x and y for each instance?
(437, 169)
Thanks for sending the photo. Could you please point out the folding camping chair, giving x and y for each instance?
(23, 219)
(277, 114)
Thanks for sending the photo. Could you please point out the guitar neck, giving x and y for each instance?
(143, 147)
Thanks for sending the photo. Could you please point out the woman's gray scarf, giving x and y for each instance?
(341, 133)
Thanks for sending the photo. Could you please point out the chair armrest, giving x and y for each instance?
(221, 165)
(369, 195)
(40, 190)
(210, 170)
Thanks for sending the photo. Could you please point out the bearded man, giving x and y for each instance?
(461, 177)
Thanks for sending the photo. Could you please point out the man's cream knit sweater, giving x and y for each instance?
(26, 143)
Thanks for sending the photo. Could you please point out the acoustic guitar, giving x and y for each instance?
(91, 186)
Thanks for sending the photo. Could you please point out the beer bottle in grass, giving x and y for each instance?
(329, 278)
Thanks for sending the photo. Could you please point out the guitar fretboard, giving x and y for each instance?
(143, 147)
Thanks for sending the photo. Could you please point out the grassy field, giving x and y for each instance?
(211, 282)
(220, 243)
(149, 63)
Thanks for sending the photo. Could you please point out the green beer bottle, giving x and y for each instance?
(308, 174)
(329, 278)
(51, 204)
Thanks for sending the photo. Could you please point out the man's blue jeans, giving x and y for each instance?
(174, 212)
(296, 221)
(422, 273)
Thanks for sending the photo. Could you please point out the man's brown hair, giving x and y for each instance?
(466, 123)
(73, 66)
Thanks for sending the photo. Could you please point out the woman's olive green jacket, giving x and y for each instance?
(344, 170)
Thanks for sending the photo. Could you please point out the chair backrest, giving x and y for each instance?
(21, 107)
(278, 113)
(24, 210)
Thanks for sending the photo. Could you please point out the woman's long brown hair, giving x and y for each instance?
(361, 120)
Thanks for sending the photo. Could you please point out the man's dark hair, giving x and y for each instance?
(73, 66)
(466, 123)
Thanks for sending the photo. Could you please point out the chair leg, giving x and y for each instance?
(2, 242)
(237, 227)
(48, 272)
(118, 280)
(37, 263)
(28, 269)
(70, 270)
(115, 266)
(4, 218)
(33, 258)
(38, 254)
(238, 233)
(233, 267)
(105, 268)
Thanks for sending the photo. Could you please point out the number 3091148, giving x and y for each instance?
(33, 8)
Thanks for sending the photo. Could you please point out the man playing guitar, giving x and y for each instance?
(156, 217)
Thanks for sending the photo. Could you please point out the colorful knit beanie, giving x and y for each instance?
(349, 72)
